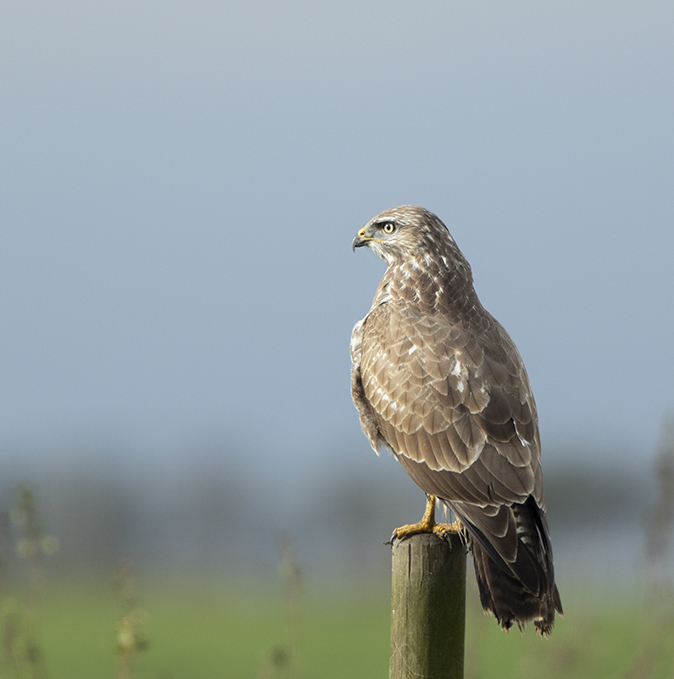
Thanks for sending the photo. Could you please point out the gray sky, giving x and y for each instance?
(181, 182)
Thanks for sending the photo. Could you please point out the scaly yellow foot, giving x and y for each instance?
(427, 524)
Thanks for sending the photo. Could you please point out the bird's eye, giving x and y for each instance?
(388, 227)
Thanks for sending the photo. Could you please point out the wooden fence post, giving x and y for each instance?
(428, 607)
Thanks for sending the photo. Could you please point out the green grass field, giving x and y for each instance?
(231, 630)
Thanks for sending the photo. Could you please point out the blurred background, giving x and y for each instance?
(180, 185)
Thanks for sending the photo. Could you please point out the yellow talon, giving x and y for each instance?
(427, 524)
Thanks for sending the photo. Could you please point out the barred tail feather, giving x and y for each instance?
(513, 566)
(508, 599)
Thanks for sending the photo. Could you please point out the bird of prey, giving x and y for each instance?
(437, 380)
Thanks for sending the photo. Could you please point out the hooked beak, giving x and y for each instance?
(360, 240)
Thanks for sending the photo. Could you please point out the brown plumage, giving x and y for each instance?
(438, 381)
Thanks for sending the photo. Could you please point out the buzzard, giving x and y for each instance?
(437, 380)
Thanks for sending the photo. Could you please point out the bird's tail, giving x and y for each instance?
(509, 600)
(516, 586)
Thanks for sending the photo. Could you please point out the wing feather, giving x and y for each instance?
(434, 383)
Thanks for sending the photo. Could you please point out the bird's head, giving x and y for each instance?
(402, 233)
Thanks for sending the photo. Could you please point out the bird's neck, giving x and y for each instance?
(427, 285)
